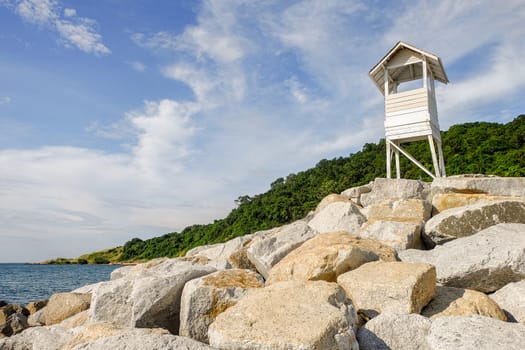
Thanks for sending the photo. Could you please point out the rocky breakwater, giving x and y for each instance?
(395, 264)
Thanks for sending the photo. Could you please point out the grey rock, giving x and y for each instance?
(484, 262)
(338, 216)
(354, 193)
(490, 185)
(219, 253)
(396, 234)
(137, 340)
(390, 331)
(37, 319)
(38, 338)
(511, 298)
(382, 189)
(273, 245)
(475, 332)
(465, 221)
(147, 297)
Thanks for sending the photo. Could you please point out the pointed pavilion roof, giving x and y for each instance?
(399, 63)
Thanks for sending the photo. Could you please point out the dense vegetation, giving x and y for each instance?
(481, 147)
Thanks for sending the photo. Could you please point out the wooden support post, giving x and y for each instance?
(412, 159)
(388, 157)
(398, 167)
(441, 160)
(434, 158)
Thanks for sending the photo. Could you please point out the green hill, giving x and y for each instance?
(481, 147)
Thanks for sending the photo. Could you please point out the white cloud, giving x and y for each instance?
(5, 100)
(83, 35)
(38, 11)
(74, 31)
(137, 66)
(70, 12)
(165, 131)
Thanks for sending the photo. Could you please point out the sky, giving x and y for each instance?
(135, 118)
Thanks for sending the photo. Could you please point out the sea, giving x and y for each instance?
(22, 283)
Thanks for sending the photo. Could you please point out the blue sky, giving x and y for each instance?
(132, 118)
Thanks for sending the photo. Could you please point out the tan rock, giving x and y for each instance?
(64, 305)
(328, 255)
(77, 320)
(403, 210)
(395, 287)
(288, 315)
(204, 298)
(34, 306)
(355, 193)
(331, 198)
(239, 260)
(445, 201)
(450, 301)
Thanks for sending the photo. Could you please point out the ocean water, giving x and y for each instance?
(22, 283)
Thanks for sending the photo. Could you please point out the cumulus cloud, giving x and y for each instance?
(79, 32)
(4, 100)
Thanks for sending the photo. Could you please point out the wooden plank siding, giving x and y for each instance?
(410, 116)
(406, 100)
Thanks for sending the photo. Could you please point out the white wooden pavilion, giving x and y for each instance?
(410, 114)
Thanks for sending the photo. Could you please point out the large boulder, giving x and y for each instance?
(450, 301)
(465, 221)
(219, 253)
(64, 305)
(484, 262)
(204, 298)
(475, 332)
(457, 191)
(395, 287)
(326, 256)
(288, 315)
(331, 198)
(146, 298)
(354, 193)
(338, 216)
(100, 336)
(37, 319)
(403, 210)
(390, 331)
(382, 189)
(273, 245)
(138, 341)
(38, 338)
(399, 235)
(511, 299)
